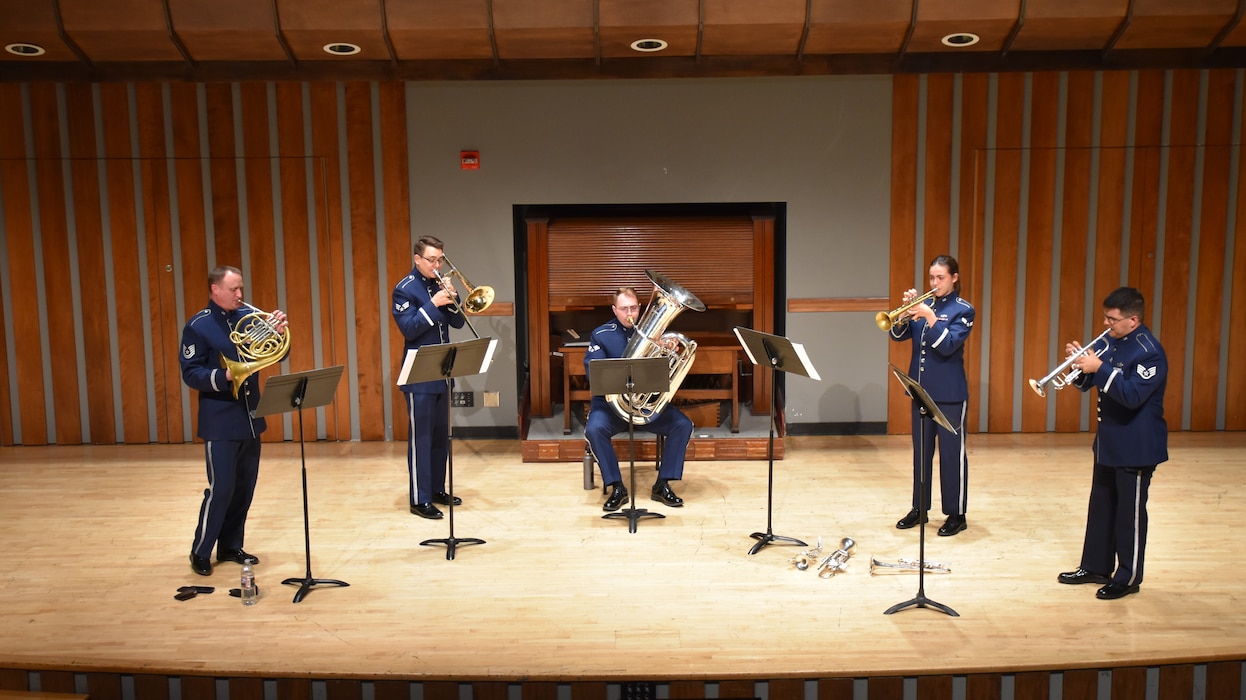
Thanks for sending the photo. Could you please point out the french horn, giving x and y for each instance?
(259, 345)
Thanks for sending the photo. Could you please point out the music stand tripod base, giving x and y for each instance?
(765, 538)
(305, 585)
(632, 514)
(921, 601)
(451, 543)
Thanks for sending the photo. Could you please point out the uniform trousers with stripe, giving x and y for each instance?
(428, 441)
(233, 468)
(1116, 523)
(953, 462)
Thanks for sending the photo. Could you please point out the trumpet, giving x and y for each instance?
(478, 298)
(1057, 378)
(901, 566)
(837, 561)
(259, 345)
(887, 319)
(804, 559)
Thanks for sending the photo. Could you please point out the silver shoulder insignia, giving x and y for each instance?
(1146, 372)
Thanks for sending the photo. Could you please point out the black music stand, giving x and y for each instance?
(780, 355)
(446, 361)
(625, 375)
(295, 392)
(926, 407)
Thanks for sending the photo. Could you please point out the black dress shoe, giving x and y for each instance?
(1112, 591)
(662, 493)
(237, 556)
(616, 500)
(426, 510)
(953, 525)
(1082, 576)
(910, 520)
(200, 565)
(444, 499)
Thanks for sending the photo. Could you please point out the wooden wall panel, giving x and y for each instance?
(398, 250)
(1002, 319)
(903, 260)
(1235, 380)
(1168, 307)
(1070, 291)
(57, 273)
(1208, 284)
(223, 168)
(325, 138)
(363, 216)
(191, 222)
(89, 235)
(20, 240)
(938, 190)
(975, 103)
(134, 372)
(1037, 264)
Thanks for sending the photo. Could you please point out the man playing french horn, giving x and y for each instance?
(219, 359)
(608, 341)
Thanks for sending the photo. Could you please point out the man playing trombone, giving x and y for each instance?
(1132, 439)
(425, 310)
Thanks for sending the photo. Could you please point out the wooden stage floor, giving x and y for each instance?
(95, 543)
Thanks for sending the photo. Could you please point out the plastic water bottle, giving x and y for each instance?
(249, 592)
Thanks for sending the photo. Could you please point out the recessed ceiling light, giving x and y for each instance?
(961, 39)
(25, 49)
(648, 45)
(341, 48)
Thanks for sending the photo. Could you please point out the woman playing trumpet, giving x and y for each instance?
(938, 329)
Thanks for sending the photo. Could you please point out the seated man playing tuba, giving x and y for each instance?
(612, 340)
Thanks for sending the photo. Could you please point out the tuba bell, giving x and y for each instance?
(259, 345)
(668, 301)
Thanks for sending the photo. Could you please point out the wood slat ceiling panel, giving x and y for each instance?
(310, 24)
(616, 42)
(590, 258)
(227, 30)
(1176, 23)
(120, 30)
(850, 26)
(753, 27)
(991, 20)
(22, 21)
(434, 29)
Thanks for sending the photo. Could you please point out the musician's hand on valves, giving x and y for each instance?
(442, 297)
(280, 321)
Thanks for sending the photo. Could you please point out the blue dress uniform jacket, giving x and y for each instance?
(608, 341)
(938, 362)
(421, 322)
(205, 339)
(428, 419)
(1132, 431)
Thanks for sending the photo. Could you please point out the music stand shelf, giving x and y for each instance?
(295, 392)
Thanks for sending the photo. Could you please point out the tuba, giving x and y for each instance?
(259, 345)
(668, 300)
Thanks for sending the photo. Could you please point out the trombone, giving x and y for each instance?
(1057, 378)
(478, 298)
(887, 319)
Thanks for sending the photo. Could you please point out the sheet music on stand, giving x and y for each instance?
(465, 358)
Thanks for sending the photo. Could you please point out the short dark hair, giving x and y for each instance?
(1127, 299)
(428, 242)
(218, 273)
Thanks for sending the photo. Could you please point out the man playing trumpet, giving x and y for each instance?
(1131, 440)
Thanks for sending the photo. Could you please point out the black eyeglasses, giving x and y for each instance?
(435, 261)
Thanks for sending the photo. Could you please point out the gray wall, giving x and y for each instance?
(819, 144)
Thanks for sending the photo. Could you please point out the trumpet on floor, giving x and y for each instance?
(1058, 378)
(901, 566)
(837, 561)
(887, 319)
